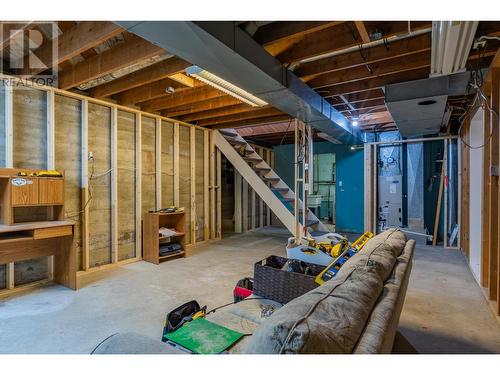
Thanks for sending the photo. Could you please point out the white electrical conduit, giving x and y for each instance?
(363, 46)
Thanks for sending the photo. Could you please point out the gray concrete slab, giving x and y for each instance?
(444, 312)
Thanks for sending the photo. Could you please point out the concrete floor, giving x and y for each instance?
(444, 311)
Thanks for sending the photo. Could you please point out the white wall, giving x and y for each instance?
(476, 193)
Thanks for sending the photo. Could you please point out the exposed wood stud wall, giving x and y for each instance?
(192, 182)
(176, 164)
(63, 128)
(114, 185)
(85, 182)
(138, 184)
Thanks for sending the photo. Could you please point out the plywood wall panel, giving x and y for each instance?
(68, 158)
(167, 164)
(99, 134)
(126, 185)
(30, 151)
(148, 164)
(185, 177)
(200, 183)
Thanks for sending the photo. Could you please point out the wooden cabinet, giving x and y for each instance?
(50, 191)
(25, 188)
(24, 191)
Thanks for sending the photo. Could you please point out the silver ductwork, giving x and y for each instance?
(227, 51)
(419, 107)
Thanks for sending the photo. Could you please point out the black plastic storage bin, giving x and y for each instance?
(271, 282)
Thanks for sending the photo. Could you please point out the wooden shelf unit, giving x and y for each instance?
(151, 239)
(29, 191)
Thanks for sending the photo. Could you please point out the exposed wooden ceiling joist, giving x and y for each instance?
(375, 82)
(129, 52)
(81, 37)
(147, 92)
(257, 121)
(280, 30)
(398, 64)
(252, 114)
(205, 105)
(404, 47)
(229, 110)
(334, 39)
(152, 73)
(183, 98)
(360, 26)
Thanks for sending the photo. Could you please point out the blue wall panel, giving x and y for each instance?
(350, 181)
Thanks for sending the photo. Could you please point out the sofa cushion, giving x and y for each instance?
(331, 318)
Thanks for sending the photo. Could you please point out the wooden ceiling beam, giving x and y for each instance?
(398, 64)
(285, 30)
(74, 41)
(360, 26)
(187, 97)
(224, 111)
(335, 38)
(404, 47)
(375, 82)
(364, 95)
(252, 114)
(256, 121)
(202, 106)
(147, 92)
(152, 73)
(124, 54)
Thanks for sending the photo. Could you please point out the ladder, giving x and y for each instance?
(265, 182)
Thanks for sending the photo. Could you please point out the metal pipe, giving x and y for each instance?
(375, 43)
(416, 140)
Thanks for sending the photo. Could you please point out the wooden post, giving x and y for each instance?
(206, 191)
(237, 202)
(219, 195)
(158, 162)
(9, 155)
(244, 204)
(51, 154)
(268, 210)
(192, 164)
(138, 185)
(494, 196)
(85, 183)
(114, 185)
(213, 182)
(445, 192)
(176, 165)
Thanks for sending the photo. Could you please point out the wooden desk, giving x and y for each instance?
(43, 238)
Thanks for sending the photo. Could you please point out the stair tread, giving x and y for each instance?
(252, 159)
(280, 189)
(271, 178)
(235, 141)
(262, 169)
(231, 132)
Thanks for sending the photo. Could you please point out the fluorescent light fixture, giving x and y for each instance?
(224, 86)
(451, 44)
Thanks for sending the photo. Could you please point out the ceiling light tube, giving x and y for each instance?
(224, 86)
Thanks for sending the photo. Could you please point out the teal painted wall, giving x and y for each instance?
(349, 197)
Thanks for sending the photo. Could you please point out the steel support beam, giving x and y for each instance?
(230, 53)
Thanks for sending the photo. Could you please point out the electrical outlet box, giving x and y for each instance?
(90, 155)
(495, 170)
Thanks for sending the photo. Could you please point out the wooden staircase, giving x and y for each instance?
(265, 181)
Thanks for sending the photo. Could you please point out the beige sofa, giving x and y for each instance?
(355, 312)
